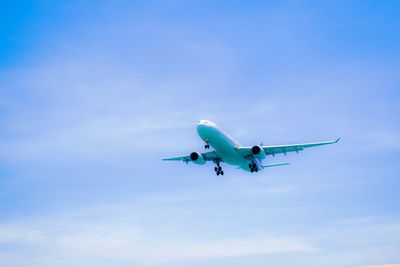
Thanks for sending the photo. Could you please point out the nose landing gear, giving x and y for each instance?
(206, 146)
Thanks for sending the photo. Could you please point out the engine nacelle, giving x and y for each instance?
(258, 152)
(197, 158)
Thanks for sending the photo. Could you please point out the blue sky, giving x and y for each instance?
(94, 93)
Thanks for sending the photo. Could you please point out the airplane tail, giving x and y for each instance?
(275, 165)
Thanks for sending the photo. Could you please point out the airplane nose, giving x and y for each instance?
(203, 122)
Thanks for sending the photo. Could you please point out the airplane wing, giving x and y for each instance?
(273, 150)
(208, 156)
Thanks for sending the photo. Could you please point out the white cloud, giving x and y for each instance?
(123, 244)
(14, 234)
(95, 139)
(118, 242)
(128, 233)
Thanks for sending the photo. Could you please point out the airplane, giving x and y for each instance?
(228, 150)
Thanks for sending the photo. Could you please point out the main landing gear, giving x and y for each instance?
(218, 170)
(253, 167)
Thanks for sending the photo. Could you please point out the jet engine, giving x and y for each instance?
(197, 158)
(258, 152)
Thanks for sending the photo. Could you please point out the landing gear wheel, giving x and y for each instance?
(253, 167)
(218, 170)
(207, 146)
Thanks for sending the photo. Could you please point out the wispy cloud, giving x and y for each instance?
(19, 234)
(116, 241)
(128, 247)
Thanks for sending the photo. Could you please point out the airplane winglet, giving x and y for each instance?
(337, 140)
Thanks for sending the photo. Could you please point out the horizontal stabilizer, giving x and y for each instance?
(275, 165)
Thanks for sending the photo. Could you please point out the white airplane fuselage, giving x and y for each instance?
(225, 146)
